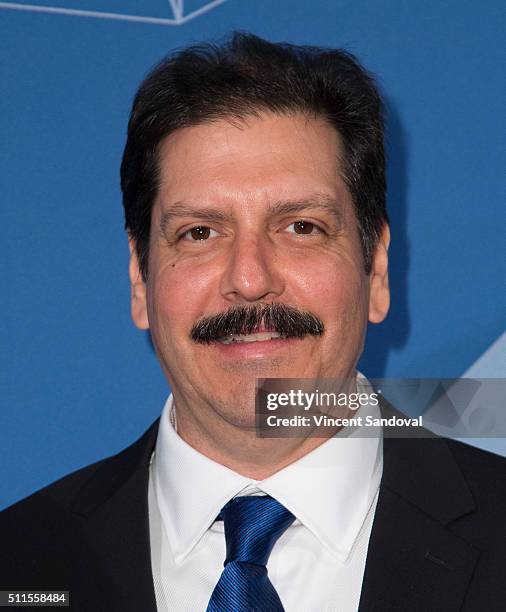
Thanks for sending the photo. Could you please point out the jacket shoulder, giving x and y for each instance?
(484, 472)
(46, 534)
(63, 491)
(60, 492)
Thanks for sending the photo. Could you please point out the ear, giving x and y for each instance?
(379, 292)
(138, 289)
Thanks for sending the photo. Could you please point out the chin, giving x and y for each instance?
(237, 407)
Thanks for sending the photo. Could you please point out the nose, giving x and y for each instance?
(252, 273)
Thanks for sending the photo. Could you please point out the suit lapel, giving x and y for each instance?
(414, 561)
(114, 507)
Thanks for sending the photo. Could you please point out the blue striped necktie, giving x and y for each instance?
(252, 526)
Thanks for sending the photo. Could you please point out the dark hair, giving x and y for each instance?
(243, 77)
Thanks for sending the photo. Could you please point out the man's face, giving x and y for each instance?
(254, 213)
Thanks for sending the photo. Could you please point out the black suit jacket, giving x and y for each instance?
(438, 541)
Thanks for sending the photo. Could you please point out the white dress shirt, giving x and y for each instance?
(317, 564)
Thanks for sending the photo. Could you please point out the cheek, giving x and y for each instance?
(344, 311)
(177, 297)
(333, 290)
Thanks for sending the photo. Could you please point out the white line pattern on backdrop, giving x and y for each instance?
(177, 7)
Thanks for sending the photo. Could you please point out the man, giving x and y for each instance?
(254, 191)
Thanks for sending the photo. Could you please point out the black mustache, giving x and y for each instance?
(287, 321)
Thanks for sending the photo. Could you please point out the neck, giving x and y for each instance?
(239, 447)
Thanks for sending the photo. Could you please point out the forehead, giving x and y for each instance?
(259, 159)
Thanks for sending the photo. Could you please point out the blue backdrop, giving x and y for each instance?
(79, 382)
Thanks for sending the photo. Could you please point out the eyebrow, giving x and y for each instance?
(184, 210)
(320, 202)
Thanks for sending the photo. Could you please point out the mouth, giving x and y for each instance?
(257, 337)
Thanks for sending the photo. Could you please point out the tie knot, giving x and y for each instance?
(253, 524)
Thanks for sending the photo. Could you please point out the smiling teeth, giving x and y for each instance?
(260, 337)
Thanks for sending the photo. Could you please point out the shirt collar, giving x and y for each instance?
(330, 490)
(191, 488)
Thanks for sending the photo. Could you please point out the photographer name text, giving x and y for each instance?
(322, 420)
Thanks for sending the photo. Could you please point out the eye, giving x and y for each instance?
(201, 232)
(304, 227)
